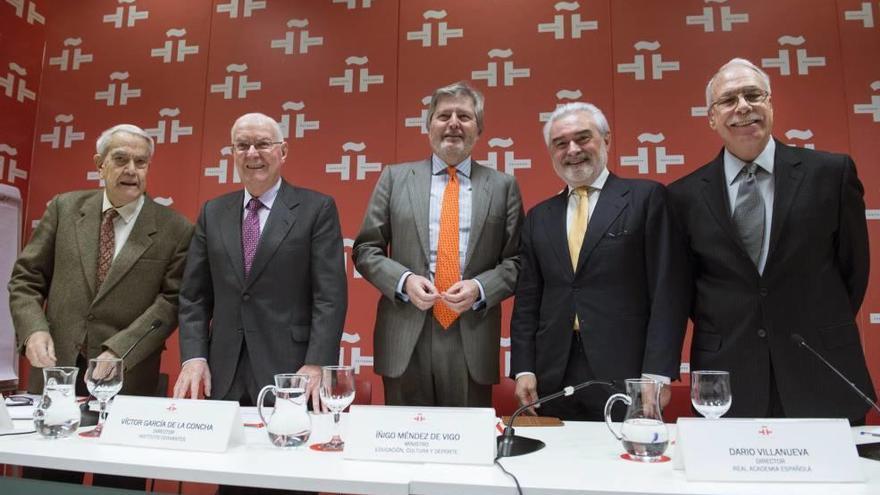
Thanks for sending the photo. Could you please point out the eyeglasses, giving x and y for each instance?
(752, 96)
(259, 146)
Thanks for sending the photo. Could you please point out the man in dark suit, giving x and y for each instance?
(440, 240)
(264, 290)
(101, 267)
(778, 244)
(602, 292)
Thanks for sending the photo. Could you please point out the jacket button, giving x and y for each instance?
(763, 291)
(90, 317)
(246, 297)
(762, 333)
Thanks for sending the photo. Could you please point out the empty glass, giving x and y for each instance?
(337, 393)
(710, 393)
(104, 381)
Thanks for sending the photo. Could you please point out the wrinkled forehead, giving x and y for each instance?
(124, 142)
(736, 78)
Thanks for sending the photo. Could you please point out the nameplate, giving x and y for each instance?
(785, 450)
(421, 434)
(5, 419)
(182, 424)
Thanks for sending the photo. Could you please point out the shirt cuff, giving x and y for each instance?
(657, 378)
(193, 359)
(523, 373)
(399, 290)
(481, 302)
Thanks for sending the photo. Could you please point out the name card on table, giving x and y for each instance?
(802, 450)
(421, 434)
(182, 424)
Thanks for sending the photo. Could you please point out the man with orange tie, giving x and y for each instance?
(440, 240)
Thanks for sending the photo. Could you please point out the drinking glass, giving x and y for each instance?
(337, 393)
(104, 380)
(710, 393)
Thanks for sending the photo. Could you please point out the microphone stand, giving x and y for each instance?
(510, 445)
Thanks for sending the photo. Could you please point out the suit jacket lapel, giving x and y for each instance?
(230, 233)
(612, 201)
(787, 178)
(138, 241)
(88, 228)
(281, 219)
(715, 195)
(557, 231)
(481, 198)
(419, 187)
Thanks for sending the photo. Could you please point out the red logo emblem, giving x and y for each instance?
(765, 431)
(171, 408)
(419, 417)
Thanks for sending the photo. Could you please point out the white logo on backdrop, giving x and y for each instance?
(362, 166)
(120, 19)
(62, 135)
(796, 137)
(510, 72)
(643, 161)
(71, 57)
(16, 87)
(228, 87)
(422, 120)
(356, 360)
(221, 171)
(346, 80)
(444, 32)
(118, 91)
(170, 127)
(32, 14)
(353, 4)
(7, 154)
(872, 108)
(288, 43)
(349, 243)
(707, 18)
(247, 7)
(510, 164)
(168, 53)
(300, 124)
(557, 27)
(865, 14)
(561, 95)
(783, 61)
(658, 65)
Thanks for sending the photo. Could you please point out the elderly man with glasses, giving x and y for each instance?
(779, 247)
(264, 290)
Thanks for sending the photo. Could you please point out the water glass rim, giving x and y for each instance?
(710, 372)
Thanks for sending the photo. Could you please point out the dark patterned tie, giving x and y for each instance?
(748, 213)
(250, 233)
(106, 246)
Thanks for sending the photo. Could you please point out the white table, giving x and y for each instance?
(580, 458)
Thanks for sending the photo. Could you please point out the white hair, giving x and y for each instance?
(102, 145)
(741, 62)
(571, 108)
(258, 117)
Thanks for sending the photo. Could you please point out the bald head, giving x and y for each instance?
(259, 119)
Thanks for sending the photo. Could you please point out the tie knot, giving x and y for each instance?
(750, 170)
(452, 172)
(110, 214)
(581, 192)
(254, 205)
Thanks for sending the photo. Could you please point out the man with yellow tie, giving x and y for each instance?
(440, 240)
(603, 291)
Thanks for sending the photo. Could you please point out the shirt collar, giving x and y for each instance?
(438, 166)
(597, 184)
(733, 165)
(127, 211)
(267, 198)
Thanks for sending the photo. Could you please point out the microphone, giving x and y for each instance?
(800, 342)
(510, 445)
(153, 326)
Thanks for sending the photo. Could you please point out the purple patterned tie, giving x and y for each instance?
(250, 233)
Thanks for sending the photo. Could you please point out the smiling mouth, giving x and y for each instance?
(128, 184)
(745, 123)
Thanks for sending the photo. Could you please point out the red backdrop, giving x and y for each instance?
(348, 78)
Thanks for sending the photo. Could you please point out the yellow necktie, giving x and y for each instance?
(578, 230)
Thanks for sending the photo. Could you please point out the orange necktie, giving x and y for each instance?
(448, 270)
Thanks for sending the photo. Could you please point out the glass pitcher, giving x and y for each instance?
(56, 415)
(643, 433)
(289, 424)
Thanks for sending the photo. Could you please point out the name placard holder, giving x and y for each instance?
(421, 434)
(182, 424)
(784, 450)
